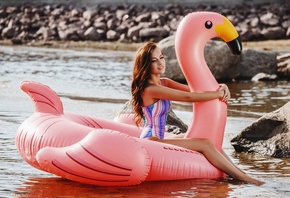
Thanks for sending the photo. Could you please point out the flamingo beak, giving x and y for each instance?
(235, 46)
(229, 34)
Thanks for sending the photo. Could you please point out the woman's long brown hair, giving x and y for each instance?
(141, 75)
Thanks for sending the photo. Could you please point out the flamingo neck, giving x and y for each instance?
(195, 69)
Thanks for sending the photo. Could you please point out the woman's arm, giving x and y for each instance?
(175, 85)
(182, 87)
(155, 92)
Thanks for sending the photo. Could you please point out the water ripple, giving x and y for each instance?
(97, 83)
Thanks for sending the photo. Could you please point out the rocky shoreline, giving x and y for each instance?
(132, 23)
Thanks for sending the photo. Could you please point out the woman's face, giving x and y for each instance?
(158, 64)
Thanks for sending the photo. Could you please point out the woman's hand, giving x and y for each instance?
(226, 93)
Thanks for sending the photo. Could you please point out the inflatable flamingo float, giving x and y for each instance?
(109, 153)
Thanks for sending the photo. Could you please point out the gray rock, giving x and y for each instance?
(273, 33)
(112, 24)
(252, 62)
(121, 13)
(157, 33)
(88, 14)
(8, 32)
(91, 34)
(269, 135)
(112, 35)
(44, 33)
(100, 25)
(121, 29)
(269, 19)
(75, 12)
(143, 17)
(133, 32)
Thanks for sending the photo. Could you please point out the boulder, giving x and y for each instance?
(273, 33)
(157, 33)
(91, 34)
(8, 32)
(252, 62)
(269, 135)
(112, 35)
(269, 19)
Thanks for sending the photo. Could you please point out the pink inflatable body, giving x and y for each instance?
(109, 153)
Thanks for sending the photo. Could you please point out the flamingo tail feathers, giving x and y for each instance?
(44, 98)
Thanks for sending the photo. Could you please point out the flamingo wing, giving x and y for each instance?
(103, 157)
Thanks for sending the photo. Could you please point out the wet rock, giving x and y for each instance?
(269, 135)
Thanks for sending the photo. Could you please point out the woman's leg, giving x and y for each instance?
(215, 157)
(227, 157)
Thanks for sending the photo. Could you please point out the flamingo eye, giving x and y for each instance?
(208, 24)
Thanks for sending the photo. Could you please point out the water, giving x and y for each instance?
(97, 83)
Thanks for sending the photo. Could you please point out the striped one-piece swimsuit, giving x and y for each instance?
(155, 116)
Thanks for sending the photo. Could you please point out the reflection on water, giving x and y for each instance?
(50, 187)
(273, 166)
(258, 97)
(97, 83)
(106, 72)
(253, 99)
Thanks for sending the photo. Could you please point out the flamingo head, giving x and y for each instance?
(228, 33)
(199, 27)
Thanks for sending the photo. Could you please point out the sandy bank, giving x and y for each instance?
(270, 45)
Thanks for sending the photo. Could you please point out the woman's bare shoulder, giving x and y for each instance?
(165, 80)
(153, 87)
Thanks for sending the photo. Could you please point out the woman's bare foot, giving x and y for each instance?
(251, 180)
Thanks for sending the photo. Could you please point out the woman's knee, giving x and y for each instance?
(207, 143)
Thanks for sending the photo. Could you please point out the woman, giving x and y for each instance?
(151, 97)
